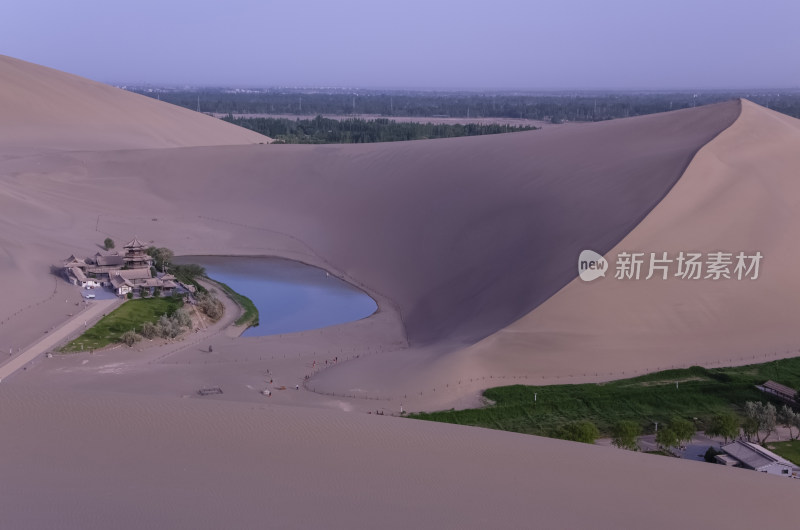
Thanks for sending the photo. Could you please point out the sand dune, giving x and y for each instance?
(470, 247)
(76, 461)
(739, 194)
(44, 109)
(460, 236)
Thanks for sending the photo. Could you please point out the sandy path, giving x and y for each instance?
(96, 309)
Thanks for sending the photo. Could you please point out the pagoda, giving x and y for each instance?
(136, 256)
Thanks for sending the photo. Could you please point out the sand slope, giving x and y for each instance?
(44, 109)
(740, 193)
(71, 460)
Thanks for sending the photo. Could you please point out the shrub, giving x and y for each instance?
(210, 305)
(579, 431)
(108, 244)
(666, 439)
(130, 338)
(183, 317)
(168, 328)
(624, 434)
(149, 330)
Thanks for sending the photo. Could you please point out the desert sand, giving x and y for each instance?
(44, 109)
(739, 194)
(468, 245)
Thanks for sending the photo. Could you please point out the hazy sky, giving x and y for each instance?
(433, 43)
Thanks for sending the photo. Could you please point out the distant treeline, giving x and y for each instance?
(556, 107)
(357, 131)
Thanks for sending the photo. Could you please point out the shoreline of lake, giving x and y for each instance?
(290, 296)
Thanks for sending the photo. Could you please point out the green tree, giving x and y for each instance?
(162, 257)
(190, 270)
(683, 429)
(666, 438)
(624, 434)
(108, 244)
(579, 431)
(789, 418)
(764, 416)
(725, 425)
(750, 428)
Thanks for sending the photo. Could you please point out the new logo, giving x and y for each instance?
(591, 265)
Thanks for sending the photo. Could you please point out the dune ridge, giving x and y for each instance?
(739, 194)
(45, 109)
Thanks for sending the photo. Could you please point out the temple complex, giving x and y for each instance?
(130, 272)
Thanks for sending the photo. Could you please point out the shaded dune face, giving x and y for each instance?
(464, 236)
(43, 109)
(739, 194)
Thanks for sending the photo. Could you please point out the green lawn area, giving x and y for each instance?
(788, 450)
(130, 315)
(701, 393)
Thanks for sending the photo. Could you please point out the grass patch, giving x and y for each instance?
(130, 315)
(789, 450)
(250, 315)
(701, 393)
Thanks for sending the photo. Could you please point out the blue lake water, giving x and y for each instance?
(290, 296)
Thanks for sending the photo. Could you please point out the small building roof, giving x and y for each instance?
(752, 455)
(78, 274)
(727, 460)
(135, 274)
(72, 261)
(118, 281)
(780, 389)
(109, 261)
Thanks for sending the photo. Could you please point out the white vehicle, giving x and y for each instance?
(88, 296)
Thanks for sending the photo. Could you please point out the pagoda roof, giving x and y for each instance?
(135, 244)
